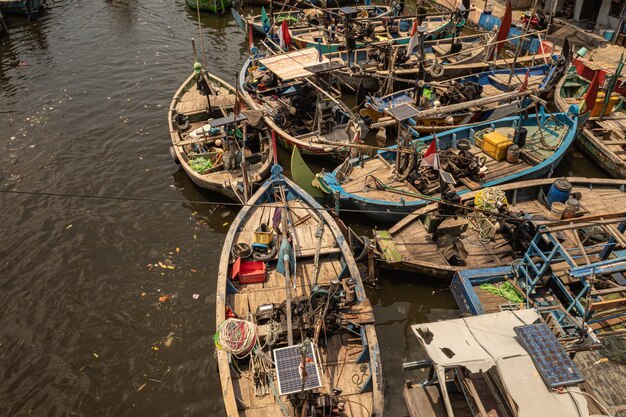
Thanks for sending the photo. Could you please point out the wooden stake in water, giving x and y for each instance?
(200, 32)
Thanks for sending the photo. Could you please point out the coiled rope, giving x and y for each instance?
(236, 336)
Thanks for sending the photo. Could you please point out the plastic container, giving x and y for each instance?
(597, 108)
(404, 25)
(520, 136)
(572, 205)
(512, 154)
(608, 35)
(263, 234)
(556, 210)
(495, 145)
(249, 272)
(559, 192)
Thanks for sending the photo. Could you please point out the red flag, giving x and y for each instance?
(431, 157)
(524, 85)
(503, 31)
(414, 39)
(592, 94)
(284, 36)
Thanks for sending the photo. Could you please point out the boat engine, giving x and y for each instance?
(461, 92)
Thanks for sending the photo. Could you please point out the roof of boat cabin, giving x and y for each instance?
(293, 64)
(481, 342)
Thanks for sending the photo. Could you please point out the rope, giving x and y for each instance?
(236, 336)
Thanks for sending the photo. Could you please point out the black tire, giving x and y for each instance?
(241, 250)
(269, 256)
(182, 122)
(366, 245)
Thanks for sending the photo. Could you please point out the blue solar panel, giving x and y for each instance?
(288, 362)
(556, 368)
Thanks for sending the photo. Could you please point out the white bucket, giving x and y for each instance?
(556, 210)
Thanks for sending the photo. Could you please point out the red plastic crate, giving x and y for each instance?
(249, 272)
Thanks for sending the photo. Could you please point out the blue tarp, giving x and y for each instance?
(489, 21)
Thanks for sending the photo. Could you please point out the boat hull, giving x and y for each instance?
(373, 391)
(616, 167)
(26, 7)
(217, 182)
(392, 211)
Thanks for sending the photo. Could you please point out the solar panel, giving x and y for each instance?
(288, 361)
(556, 368)
(403, 112)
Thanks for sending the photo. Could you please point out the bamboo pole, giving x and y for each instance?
(519, 45)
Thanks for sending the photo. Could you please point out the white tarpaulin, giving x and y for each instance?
(481, 342)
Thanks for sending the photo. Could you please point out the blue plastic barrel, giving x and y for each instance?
(559, 192)
(404, 25)
(608, 35)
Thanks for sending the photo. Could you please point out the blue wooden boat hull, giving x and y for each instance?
(27, 7)
(551, 77)
(391, 211)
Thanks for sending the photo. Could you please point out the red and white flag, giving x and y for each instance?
(284, 36)
(524, 85)
(431, 157)
(414, 38)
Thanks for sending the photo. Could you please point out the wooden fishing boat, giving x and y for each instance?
(392, 184)
(367, 68)
(397, 31)
(211, 143)
(488, 95)
(301, 102)
(420, 243)
(604, 141)
(311, 315)
(305, 18)
(218, 7)
(27, 7)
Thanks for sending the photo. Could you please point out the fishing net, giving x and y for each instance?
(200, 164)
(615, 349)
(505, 290)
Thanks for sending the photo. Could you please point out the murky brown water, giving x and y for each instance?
(83, 97)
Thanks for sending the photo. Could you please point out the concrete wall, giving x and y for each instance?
(604, 21)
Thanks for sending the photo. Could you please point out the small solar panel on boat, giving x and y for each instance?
(556, 368)
(325, 67)
(288, 362)
(228, 120)
(403, 112)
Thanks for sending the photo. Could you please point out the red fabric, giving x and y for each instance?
(503, 31)
(432, 148)
(414, 38)
(524, 85)
(285, 36)
(592, 94)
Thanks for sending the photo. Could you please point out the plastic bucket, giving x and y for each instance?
(556, 210)
(572, 205)
(512, 154)
(559, 192)
(608, 35)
